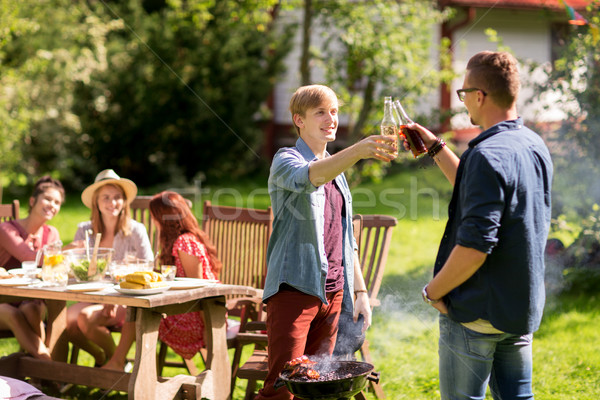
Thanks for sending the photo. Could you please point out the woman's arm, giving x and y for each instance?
(191, 265)
(15, 245)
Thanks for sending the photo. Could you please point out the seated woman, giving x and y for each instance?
(20, 240)
(186, 246)
(89, 325)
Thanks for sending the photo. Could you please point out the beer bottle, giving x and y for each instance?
(389, 125)
(417, 146)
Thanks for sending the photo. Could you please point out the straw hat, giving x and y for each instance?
(104, 178)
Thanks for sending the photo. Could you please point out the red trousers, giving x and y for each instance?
(297, 324)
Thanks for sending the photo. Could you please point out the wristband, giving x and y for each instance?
(437, 147)
(360, 291)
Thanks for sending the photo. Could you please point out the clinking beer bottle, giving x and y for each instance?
(413, 137)
(389, 126)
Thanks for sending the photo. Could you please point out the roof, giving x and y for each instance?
(518, 4)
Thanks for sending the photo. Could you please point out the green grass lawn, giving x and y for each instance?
(404, 334)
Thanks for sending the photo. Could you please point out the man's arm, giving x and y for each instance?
(445, 159)
(460, 266)
(326, 169)
(361, 305)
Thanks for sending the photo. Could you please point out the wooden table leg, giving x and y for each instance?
(215, 337)
(56, 324)
(143, 381)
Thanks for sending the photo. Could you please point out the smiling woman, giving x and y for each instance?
(111, 227)
(20, 240)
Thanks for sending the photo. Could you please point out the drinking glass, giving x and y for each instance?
(54, 267)
(168, 272)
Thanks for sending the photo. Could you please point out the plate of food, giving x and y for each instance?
(191, 283)
(15, 282)
(4, 274)
(21, 272)
(142, 292)
(142, 283)
(88, 287)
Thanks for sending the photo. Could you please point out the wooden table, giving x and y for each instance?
(143, 383)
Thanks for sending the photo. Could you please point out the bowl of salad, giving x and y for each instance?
(79, 261)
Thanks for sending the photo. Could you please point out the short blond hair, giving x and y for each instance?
(306, 97)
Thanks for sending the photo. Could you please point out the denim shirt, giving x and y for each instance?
(501, 206)
(296, 251)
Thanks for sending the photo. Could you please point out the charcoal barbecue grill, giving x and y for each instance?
(339, 380)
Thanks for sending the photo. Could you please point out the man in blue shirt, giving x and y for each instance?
(489, 273)
(312, 265)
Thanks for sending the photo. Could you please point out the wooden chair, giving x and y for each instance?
(373, 244)
(9, 211)
(241, 236)
(140, 212)
(373, 234)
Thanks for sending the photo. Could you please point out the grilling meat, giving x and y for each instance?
(301, 367)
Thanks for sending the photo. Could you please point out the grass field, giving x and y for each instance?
(404, 333)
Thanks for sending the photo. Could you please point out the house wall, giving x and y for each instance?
(527, 34)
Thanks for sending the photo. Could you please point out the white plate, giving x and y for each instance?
(141, 292)
(88, 287)
(23, 271)
(15, 282)
(190, 283)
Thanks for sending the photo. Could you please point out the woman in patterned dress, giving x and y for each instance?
(186, 246)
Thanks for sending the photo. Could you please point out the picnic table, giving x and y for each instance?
(147, 311)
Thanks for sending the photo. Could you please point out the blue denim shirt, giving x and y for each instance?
(296, 252)
(501, 206)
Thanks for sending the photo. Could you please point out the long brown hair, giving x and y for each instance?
(174, 218)
(124, 215)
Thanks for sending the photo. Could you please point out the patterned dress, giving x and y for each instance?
(184, 332)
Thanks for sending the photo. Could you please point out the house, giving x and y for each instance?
(532, 29)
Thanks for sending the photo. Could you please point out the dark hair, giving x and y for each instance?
(174, 217)
(44, 183)
(496, 73)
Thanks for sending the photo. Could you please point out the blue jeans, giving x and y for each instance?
(470, 360)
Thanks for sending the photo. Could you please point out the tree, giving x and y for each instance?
(184, 89)
(159, 90)
(576, 144)
(375, 48)
(49, 47)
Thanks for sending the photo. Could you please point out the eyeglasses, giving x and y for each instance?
(461, 93)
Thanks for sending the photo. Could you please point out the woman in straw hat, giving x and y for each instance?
(89, 325)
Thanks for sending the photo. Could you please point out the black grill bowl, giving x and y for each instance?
(333, 389)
